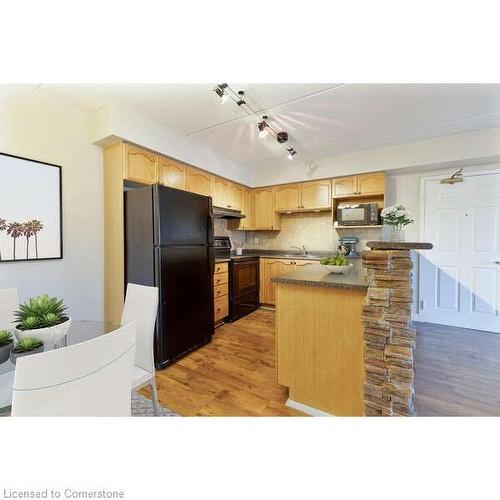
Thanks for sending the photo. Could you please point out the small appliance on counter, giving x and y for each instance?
(243, 279)
(363, 214)
(347, 247)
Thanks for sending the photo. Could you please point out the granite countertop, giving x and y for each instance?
(316, 275)
(222, 259)
(284, 254)
(399, 245)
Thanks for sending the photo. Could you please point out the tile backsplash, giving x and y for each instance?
(314, 230)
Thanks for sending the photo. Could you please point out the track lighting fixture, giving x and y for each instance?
(262, 127)
(219, 90)
(225, 92)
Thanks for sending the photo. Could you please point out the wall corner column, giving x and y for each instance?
(389, 335)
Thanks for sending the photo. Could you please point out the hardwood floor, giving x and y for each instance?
(457, 373)
(234, 375)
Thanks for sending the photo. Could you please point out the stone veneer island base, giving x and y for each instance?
(389, 336)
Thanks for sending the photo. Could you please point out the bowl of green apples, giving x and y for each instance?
(336, 264)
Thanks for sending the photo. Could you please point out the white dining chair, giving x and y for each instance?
(141, 307)
(90, 379)
(9, 303)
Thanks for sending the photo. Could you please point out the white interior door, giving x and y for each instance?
(460, 278)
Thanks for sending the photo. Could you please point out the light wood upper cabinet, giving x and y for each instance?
(171, 173)
(316, 194)
(371, 184)
(139, 165)
(220, 192)
(265, 216)
(198, 181)
(235, 196)
(247, 223)
(359, 185)
(345, 186)
(288, 197)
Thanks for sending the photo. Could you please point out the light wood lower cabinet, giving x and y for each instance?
(319, 347)
(221, 291)
(270, 268)
(221, 308)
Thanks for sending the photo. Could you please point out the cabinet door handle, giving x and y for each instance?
(497, 262)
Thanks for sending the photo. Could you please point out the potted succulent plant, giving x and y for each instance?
(42, 317)
(28, 345)
(6, 342)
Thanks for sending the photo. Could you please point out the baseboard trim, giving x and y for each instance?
(267, 307)
(309, 410)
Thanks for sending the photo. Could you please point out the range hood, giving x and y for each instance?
(227, 213)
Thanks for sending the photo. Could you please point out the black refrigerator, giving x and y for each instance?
(169, 244)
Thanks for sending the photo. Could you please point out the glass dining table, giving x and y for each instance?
(80, 331)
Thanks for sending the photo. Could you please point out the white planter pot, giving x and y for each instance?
(50, 335)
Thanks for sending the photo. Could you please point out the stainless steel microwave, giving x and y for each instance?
(364, 214)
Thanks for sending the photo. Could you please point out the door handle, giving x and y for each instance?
(497, 262)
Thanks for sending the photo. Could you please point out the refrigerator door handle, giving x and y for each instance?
(211, 256)
(210, 231)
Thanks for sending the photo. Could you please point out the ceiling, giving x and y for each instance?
(323, 120)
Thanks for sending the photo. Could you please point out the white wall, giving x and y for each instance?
(36, 125)
(481, 145)
(116, 121)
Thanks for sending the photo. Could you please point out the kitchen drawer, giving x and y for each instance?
(221, 267)
(220, 279)
(221, 290)
(221, 308)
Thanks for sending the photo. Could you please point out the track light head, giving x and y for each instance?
(282, 137)
(262, 129)
(291, 153)
(219, 90)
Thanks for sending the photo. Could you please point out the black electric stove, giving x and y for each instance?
(243, 279)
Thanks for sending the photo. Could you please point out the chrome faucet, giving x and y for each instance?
(301, 249)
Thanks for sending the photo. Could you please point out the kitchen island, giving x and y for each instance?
(319, 339)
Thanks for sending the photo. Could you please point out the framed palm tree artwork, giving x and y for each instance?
(30, 210)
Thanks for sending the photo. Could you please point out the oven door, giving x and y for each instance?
(244, 288)
(245, 277)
